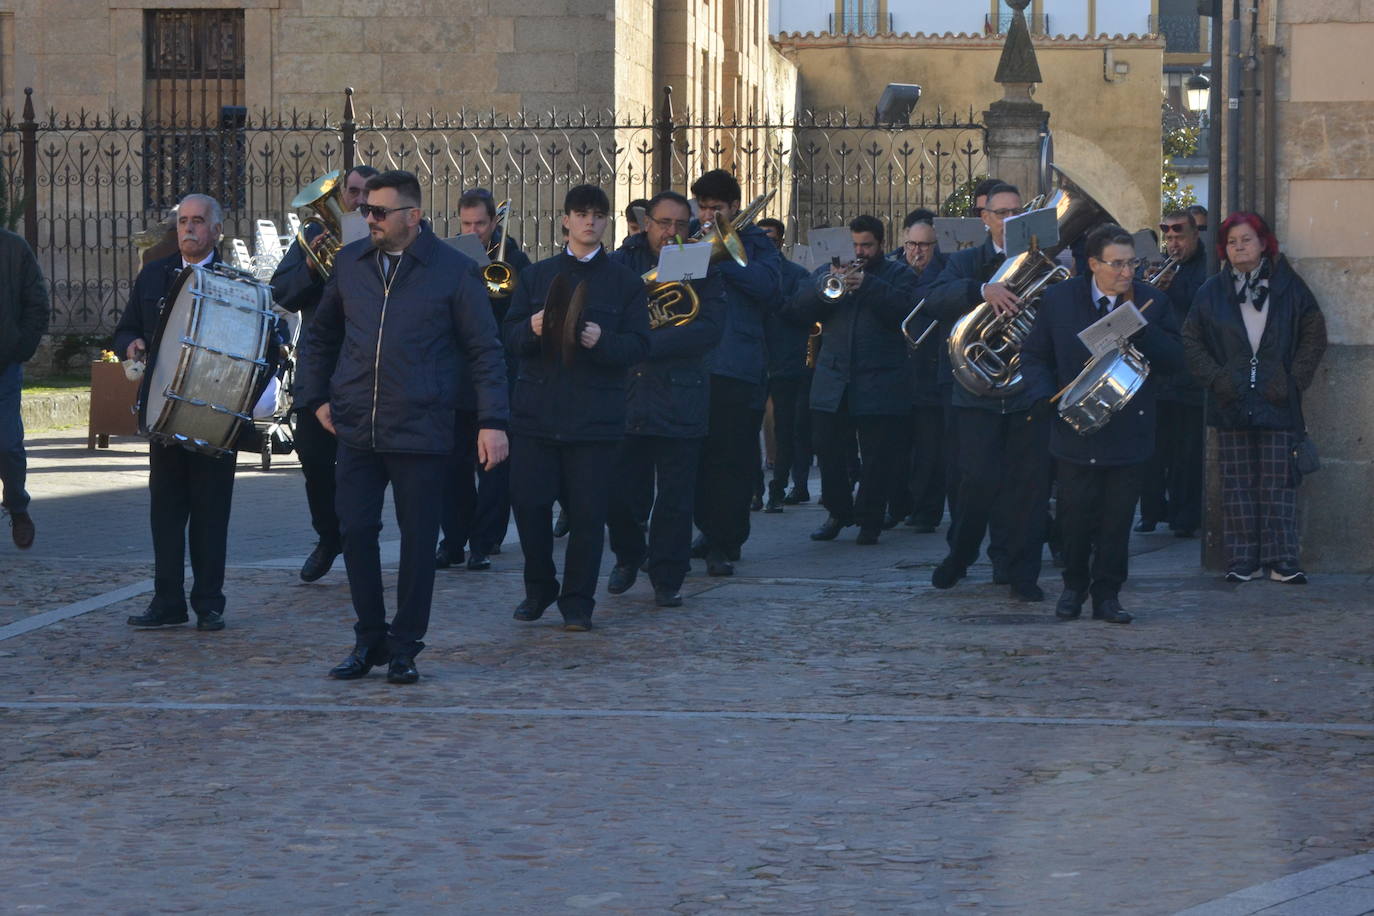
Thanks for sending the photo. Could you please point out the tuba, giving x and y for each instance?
(984, 347)
(499, 276)
(324, 196)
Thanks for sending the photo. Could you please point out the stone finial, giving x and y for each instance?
(1018, 63)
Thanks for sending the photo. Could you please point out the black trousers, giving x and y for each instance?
(363, 476)
(880, 447)
(1096, 505)
(655, 482)
(951, 451)
(792, 432)
(899, 500)
(458, 495)
(578, 476)
(317, 450)
(1003, 486)
(729, 465)
(1171, 487)
(926, 481)
(189, 500)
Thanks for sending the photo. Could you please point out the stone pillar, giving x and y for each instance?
(1016, 121)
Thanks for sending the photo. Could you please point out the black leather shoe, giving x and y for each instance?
(756, 503)
(21, 530)
(867, 537)
(621, 578)
(946, 575)
(718, 565)
(773, 506)
(531, 609)
(561, 525)
(1029, 592)
(444, 558)
(320, 561)
(1070, 605)
(667, 597)
(797, 497)
(577, 624)
(478, 561)
(699, 547)
(210, 621)
(829, 529)
(358, 664)
(402, 670)
(1145, 527)
(156, 617)
(1110, 611)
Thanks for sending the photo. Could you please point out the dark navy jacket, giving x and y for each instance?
(23, 300)
(927, 362)
(863, 362)
(1181, 387)
(750, 293)
(954, 294)
(390, 363)
(142, 313)
(1290, 350)
(786, 335)
(1053, 356)
(584, 402)
(669, 392)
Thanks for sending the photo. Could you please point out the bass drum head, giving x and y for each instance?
(165, 354)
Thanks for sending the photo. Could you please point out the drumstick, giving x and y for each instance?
(1064, 390)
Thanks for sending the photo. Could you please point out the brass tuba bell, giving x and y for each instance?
(324, 195)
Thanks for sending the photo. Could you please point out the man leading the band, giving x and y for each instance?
(862, 382)
(1172, 488)
(297, 287)
(1099, 474)
(568, 412)
(1003, 442)
(665, 423)
(381, 369)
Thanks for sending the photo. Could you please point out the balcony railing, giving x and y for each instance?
(1182, 34)
(861, 22)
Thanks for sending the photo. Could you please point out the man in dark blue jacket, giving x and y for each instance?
(1003, 443)
(789, 384)
(568, 408)
(1099, 474)
(23, 319)
(476, 513)
(730, 456)
(862, 382)
(400, 318)
(1172, 488)
(297, 287)
(666, 414)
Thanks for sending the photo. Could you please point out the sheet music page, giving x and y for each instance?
(1112, 330)
(831, 243)
(353, 227)
(684, 262)
(471, 245)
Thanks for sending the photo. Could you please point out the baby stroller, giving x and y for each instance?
(273, 416)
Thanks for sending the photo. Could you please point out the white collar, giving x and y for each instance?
(204, 262)
(595, 252)
(1098, 294)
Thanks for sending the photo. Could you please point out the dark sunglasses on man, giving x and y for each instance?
(369, 211)
(1173, 228)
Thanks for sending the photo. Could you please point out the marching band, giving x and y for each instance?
(994, 382)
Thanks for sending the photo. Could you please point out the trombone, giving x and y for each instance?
(915, 342)
(499, 276)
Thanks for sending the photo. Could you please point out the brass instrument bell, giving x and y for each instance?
(324, 195)
(499, 276)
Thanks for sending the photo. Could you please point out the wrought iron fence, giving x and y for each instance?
(95, 184)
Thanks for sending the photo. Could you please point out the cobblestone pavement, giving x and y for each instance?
(823, 733)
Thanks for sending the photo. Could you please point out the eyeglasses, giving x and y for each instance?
(1004, 212)
(1173, 228)
(679, 224)
(379, 213)
(912, 246)
(1130, 264)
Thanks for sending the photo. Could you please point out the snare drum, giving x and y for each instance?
(209, 360)
(1102, 389)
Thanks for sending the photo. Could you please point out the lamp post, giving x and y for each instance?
(1197, 90)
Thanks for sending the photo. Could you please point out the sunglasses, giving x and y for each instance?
(1173, 228)
(370, 211)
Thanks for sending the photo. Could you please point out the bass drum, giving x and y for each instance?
(1103, 388)
(209, 360)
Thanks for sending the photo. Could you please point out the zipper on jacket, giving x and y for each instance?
(1254, 369)
(381, 326)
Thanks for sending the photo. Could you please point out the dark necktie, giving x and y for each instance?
(1104, 305)
(389, 262)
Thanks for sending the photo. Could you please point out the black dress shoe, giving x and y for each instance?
(21, 530)
(157, 617)
(1028, 592)
(756, 503)
(718, 565)
(358, 664)
(560, 527)
(577, 624)
(621, 578)
(667, 597)
(210, 621)
(444, 557)
(867, 537)
(1070, 605)
(699, 547)
(531, 609)
(773, 506)
(320, 561)
(796, 497)
(1110, 610)
(402, 670)
(1145, 527)
(829, 529)
(478, 561)
(946, 575)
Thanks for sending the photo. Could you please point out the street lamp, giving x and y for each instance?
(1196, 92)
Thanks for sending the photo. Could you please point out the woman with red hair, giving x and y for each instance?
(1253, 339)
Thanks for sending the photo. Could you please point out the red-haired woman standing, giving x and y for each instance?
(1253, 339)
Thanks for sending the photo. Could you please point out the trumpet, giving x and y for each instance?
(835, 285)
(499, 276)
(324, 195)
(1166, 274)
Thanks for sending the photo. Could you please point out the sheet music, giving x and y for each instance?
(1041, 225)
(353, 227)
(827, 244)
(1112, 330)
(684, 262)
(470, 244)
(957, 232)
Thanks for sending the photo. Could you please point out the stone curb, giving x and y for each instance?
(53, 410)
(1341, 888)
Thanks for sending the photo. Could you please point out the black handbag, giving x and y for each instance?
(1304, 454)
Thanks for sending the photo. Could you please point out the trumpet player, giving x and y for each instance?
(862, 382)
(1172, 490)
(476, 516)
(1003, 442)
(730, 455)
(1098, 475)
(297, 287)
(667, 403)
